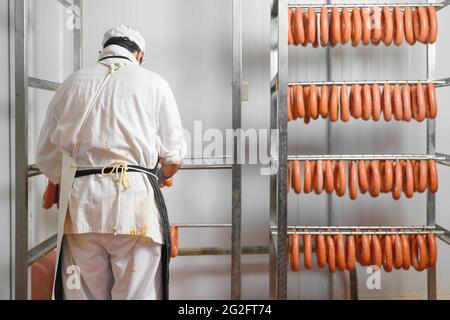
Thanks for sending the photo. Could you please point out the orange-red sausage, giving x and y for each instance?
(432, 103)
(335, 27)
(346, 25)
(422, 176)
(363, 177)
(409, 179)
(387, 102)
(419, 253)
(374, 178)
(376, 252)
(424, 27)
(433, 24)
(387, 253)
(388, 176)
(321, 251)
(376, 34)
(324, 101)
(290, 35)
(306, 100)
(329, 176)
(295, 251)
(345, 105)
(340, 179)
(366, 102)
(376, 102)
(406, 250)
(397, 103)
(350, 259)
(307, 176)
(356, 26)
(318, 177)
(298, 26)
(406, 100)
(398, 181)
(324, 27)
(399, 28)
(432, 249)
(365, 250)
(353, 179)
(299, 102)
(421, 103)
(311, 26)
(51, 195)
(432, 177)
(409, 30)
(387, 22)
(334, 98)
(313, 106)
(340, 252)
(173, 241)
(416, 25)
(397, 253)
(331, 254)
(296, 177)
(366, 26)
(414, 107)
(355, 101)
(307, 251)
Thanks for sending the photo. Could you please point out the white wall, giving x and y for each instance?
(189, 44)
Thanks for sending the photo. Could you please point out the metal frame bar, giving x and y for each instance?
(340, 6)
(43, 84)
(369, 157)
(438, 83)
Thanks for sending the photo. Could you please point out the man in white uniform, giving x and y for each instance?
(123, 119)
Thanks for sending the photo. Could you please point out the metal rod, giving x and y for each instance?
(216, 251)
(202, 225)
(368, 157)
(371, 232)
(236, 183)
(353, 284)
(41, 249)
(43, 84)
(437, 83)
(77, 34)
(340, 6)
(359, 227)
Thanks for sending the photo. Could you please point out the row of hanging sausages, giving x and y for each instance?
(342, 252)
(403, 103)
(362, 25)
(375, 177)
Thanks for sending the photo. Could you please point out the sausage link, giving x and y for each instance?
(432, 250)
(387, 253)
(432, 102)
(345, 105)
(398, 181)
(420, 103)
(321, 251)
(173, 241)
(376, 102)
(329, 176)
(296, 177)
(299, 102)
(399, 28)
(388, 176)
(408, 179)
(355, 101)
(305, 24)
(422, 175)
(432, 177)
(340, 179)
(334, 104)
(433, 24)
(346, 25)
(340, 252)
(374, 178)
(366, 26)
(298, 27)
(376, 34)
(324, 27)
(353, 180)
(318, 177)
(295, 251)
(306, 100)
(387, 102)
(331, 254)
(313, 102)
(409, 30)
(290, 35)
(377, 258)
(363, 178)
(416, 25)
(312, 25)
(366, 102)
(419, 254)
(356, 26)
(307, 251)
(350, 254)
(335, 27)
(365, 250)
(424, 27)
(406, 250)
(387, 22)
(406, 99)
(397, 103)
(324, 101)
(416, 168)
(397, 253)
(308, 175)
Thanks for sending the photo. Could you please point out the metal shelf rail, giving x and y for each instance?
(278, 121)
(23, 256)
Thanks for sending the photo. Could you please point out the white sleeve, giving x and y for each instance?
(171, 142)
(48, 156)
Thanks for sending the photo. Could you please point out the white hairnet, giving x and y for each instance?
(125, 31)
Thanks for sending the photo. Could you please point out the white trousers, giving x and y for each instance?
(105, 267)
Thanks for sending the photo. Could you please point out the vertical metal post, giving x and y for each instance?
(431, 149)
(21, 158)
(77, 37)
(236, 170)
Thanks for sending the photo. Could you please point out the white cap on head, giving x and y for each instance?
(125, 32)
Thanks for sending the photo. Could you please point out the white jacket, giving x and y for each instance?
(133, 119)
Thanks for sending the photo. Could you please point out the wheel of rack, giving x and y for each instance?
(25, 257)
(278, 121)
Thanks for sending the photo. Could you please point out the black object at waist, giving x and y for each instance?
(131, 168)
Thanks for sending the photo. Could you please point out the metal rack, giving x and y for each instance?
(24, 257)
(278, 121)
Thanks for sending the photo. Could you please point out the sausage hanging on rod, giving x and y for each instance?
(406, 251)
(366, 102)
(340, 179)
(424, 27)
(321, 251)
(419, 254)
(366, 26)
(432, 176)
(335, 27)
(312, 25)
(376, 252)
(346, 25)
(421, 103)
(345, 106)
(363, 177)
(374, 178)
(409, 26)
(408, 180)
(422, 175)
(355, 101)
(376, 102)
(365, 250)
(432, 250)
(331, 254)
(313, 107)
(318, 177)
(329, 176)
(416, 25)
(298, 27)
(398, 26)
(296, 177)
(290, 36)
(350, 259)
(388, 176)
(307, 251)
(340, 252)
(295, 251)
(299, 102)
(406, 100)
(307, 176)
(324, 101)
(387, 26)
(173, 241)
(397, 253)
(387, 253)
(352, 179)
(397, 103)
(387, 102)
(356, 26)
(398, 181)
(376, 34)
(334, 103)
(433, 24)
(306, 91)
(432, 104)
(324, 27)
